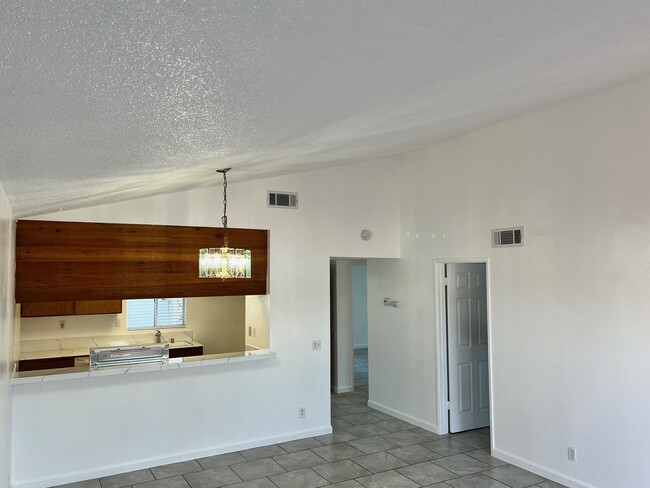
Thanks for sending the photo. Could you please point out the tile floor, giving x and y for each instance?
(367, 449)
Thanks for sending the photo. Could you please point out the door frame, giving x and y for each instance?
(441, 339)
(336, 331)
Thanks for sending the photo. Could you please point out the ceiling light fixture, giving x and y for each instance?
(224, 262)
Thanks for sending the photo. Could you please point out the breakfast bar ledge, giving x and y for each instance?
(171, 364)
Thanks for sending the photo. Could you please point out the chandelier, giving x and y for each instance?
(224, 262)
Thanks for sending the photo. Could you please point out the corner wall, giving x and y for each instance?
(569, 309)
(7, 246)
(344, 381)
(257, 321)
(360, 304)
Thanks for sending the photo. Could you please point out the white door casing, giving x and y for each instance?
(467, 342)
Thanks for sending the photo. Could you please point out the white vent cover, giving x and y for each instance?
(282, 199)
(510, 237)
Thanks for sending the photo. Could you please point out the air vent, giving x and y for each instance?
(511, 237)
(282, 199)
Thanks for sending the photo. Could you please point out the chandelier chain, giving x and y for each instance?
(224, 219)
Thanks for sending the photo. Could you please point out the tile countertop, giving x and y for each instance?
(172, 364)
(80, 346)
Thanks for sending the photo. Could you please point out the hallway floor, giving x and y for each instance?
(367, 449)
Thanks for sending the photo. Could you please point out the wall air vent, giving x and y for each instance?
(278, 199)
(511, 237)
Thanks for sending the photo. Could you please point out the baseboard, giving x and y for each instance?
(540, 470)
(343, 389)
(151, 462)
(402, 416)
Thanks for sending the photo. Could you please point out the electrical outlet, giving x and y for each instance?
(572, 455)
(250, 331)
(117, 322)
(302, 412)
(316, 345)
(61, 324)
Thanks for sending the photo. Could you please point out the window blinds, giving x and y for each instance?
(155, 313)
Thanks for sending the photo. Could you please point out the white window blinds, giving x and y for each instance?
(155, 313)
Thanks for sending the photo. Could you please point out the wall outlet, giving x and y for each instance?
(117, 322)
(250, 331)
(302, 412)
(61, 324)
(316, 345)
(571, 454)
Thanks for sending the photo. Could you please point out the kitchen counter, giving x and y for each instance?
(80, 346)
(171, 364)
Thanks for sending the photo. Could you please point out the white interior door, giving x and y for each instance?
(467, 344)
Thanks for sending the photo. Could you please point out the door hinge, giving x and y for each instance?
(446, 281)
(448, 405)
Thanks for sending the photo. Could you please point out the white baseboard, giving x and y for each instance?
(402, 416)
(540, 470)
(102, 471)
(344, 389)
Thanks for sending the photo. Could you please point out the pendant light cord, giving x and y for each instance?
(224, 219)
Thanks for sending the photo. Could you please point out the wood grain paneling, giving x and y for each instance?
(95, 307)
(47, 309)
(60, 261)
(52, 309)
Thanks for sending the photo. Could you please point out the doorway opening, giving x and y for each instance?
(463, 333)
(348, 325)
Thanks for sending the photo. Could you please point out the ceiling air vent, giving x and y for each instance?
(513, 236)
(282, 199)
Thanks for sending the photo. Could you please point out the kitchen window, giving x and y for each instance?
(155, 313)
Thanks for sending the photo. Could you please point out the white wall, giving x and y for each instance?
(219, 323)
(199, 411)
(569, 310)
(360, 304)
(7, 246)
(216, 322)
(257, 319)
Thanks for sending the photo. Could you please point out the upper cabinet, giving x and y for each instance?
(78, 261)
(88, 307)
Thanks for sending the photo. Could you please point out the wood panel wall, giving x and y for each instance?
(59, 261)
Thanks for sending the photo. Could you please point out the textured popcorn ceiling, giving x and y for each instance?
(108, 100)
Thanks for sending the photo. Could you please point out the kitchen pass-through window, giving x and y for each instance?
(155, 313)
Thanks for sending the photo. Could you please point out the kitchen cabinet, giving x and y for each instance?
(92, 307)
(85, 307)
(80, 261)
(46, 309)
(45, 363)
(183, 352)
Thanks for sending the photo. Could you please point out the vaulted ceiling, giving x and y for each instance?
(107, 100)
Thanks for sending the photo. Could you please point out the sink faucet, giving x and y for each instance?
(158, 336)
